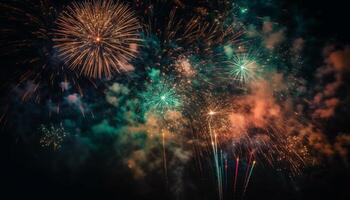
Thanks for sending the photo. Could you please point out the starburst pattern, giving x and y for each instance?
(97, 38)
(52, 137)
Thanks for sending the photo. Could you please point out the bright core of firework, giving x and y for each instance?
(243, 68)
(97, 38)
(211, 113)
(161, 97)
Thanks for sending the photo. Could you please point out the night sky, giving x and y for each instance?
(174, 99)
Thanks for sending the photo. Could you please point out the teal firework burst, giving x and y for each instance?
(243, 68)
(160, 95)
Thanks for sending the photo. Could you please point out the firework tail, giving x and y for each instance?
(235, 177)
(213, 140)
(226, 174)
(250, 174)
(248, 166)
(164, 159)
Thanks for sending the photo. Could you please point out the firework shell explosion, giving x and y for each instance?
(206, 99)
(97, 38)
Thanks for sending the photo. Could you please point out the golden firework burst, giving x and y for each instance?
(97, 38)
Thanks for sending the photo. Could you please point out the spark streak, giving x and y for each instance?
(248, 179)
(236, 176)
(214, 142)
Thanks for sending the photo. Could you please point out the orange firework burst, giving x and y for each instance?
(97, 38)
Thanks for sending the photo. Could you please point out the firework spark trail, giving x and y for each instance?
(226, 174)
(256, 133)
(164, 159)
(222, 167)
(214, 142)
(97, 38)
(248, 166)
(248, 179)
(235, 177)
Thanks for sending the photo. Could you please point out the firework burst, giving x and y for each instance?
(243, 68)
(52, 137)
(198, 93)
(161, 97)
(97, 38)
